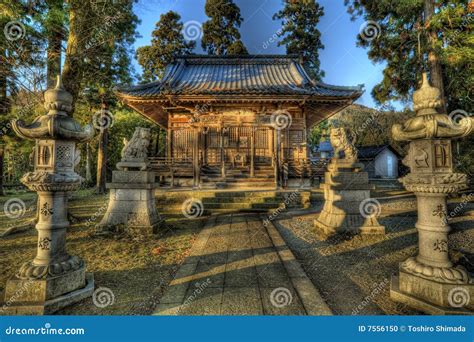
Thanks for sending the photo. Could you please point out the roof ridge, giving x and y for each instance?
(249, 56)
(359, 87)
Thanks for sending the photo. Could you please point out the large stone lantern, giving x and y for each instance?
(53, 279)
(430, 282)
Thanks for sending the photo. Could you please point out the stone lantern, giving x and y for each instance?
(53, 279)
(430, 282)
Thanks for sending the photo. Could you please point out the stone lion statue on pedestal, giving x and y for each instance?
(343, 139)
(135, 151)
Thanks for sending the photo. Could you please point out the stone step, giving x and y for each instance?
(241, 206)
(242, 200)
(226, 211)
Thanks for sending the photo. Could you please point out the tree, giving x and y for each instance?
(237, 48)
(221, 31)
(167, 42)
(411, 36)
(300, 32)
(20, 51)
(317, 133)
(52, 17)
(106, 61)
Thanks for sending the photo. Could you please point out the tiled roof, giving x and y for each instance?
(237, 75)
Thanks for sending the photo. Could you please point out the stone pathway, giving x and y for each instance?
(237, 266)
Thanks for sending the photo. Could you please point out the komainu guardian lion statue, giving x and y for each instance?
(342, 140)
(135, 152)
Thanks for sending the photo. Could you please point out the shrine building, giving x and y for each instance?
(236, 121)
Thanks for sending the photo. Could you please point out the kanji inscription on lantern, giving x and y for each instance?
(45, 243)
(441, 246)
(46, 210)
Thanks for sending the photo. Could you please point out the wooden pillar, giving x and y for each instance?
(221, 132)
(168, 143)
(277, 156)
(272, 145)
(196, 167)
(252, 152)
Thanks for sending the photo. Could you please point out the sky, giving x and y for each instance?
(343, 62)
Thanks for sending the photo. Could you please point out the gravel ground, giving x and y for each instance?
(137, 272)
(353, 275)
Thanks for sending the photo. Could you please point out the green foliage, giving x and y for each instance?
(221, 31)
(98, 48)
(317, 133)
(300, 32)
(107, 51)
(237, 48)
(401, 41)
(371, 126)
(167, 42)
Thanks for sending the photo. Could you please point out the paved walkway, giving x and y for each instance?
(237, 266)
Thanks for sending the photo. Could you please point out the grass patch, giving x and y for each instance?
(136, 271)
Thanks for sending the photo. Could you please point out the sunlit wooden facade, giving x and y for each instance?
(236, 119)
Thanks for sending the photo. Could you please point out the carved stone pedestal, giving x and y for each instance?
(347, 193)
(53, 279)
(430, 282)
(132, 203)
(132, 195)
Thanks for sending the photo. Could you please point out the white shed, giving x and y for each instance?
(380, 161)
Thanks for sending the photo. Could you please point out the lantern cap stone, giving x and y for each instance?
(58, 100)
(426, 99)
(56, 124)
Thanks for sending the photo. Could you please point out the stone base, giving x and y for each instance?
(371, 227)
(429, 296)
(350, 224)
(27, 305)
(132, 203)
(343, 194)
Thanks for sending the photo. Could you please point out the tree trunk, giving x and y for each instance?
(71, 69)
(88, 165)
(102, 158)
(55, 37)
(2, 153)
(4, 109)
(436, 71)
